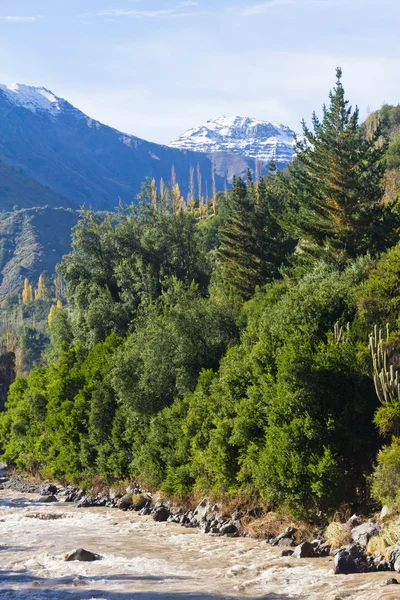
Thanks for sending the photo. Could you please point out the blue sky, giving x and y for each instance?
(155, 68)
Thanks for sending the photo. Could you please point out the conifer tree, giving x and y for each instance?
(335, 185)
(253, 244)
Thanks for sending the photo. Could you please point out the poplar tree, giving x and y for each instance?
(335, 186)
(41, 292)
(27, 292)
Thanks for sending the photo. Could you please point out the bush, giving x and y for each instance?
(386, 478)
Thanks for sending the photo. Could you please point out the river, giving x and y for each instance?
(144, 560)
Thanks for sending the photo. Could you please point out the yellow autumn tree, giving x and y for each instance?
(53, 310)
(27, 292)
(178, 200)
(41, 292)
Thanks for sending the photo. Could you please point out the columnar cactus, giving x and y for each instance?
(386, 379)
(341, 335)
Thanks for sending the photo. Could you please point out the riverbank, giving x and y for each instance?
(146, 560)
(350, 550)
(234, 520)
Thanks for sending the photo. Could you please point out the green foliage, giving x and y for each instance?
(192, 359)
(253, 244)
(386, 478)
(121, 263)
(335, 186)
(173, 340)
(33, 343)
(379, 295)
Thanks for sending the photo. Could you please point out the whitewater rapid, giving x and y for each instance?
(145, 560)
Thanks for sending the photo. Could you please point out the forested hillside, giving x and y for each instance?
(225, 348)
(32, 241)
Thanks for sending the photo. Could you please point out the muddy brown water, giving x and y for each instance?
(144, 560)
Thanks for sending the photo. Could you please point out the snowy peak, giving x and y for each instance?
(32, 98)
(241, 135)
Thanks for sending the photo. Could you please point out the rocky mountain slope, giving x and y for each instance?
(84, 160)
(250, 138)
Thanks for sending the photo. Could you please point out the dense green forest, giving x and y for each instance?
(226, 349)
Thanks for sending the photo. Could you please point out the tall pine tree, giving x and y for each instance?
(334, 188)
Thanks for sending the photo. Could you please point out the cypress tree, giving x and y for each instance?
(335, 186)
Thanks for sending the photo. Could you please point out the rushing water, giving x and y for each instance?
(144, 560)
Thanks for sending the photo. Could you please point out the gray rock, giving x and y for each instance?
(385, 512)
(394, 558)
(287, 553)
(391, 581)
(201, 511)
(284, 539)
(305, 550)
(49, 490)
(82, 555)
(114, 494)
(230, 529)
(363, 533)
(350, 559)
(125, 501)
(161, 514)
(48, 499)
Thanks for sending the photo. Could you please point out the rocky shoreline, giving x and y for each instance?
(348, 559)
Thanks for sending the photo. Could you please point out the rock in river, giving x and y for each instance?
(82, 555)
(350, 559)
(304, 550)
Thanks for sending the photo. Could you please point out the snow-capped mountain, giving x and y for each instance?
(246, 137)
(87, 162)
(33, 98)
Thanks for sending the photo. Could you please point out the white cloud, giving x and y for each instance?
(264, 7)
(18, 19)
(258, 9)
(148, 14)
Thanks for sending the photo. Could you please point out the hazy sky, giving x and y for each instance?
(155, 68)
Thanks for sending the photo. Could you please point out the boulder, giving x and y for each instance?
(87, 502)
(284, 539)
(394, 558)
(48, 499)
(350, 559)
(287, 553)
(304, 550)
(139, 501)
(391, 581)
(363, 533)
(161, 514)
(114, 494)
(48, 490)
(229, 529)
(82, 555)
(201, 511)
(385, 512)
(125, 501)
(145, 512)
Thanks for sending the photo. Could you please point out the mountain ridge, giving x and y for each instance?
(243, 136)
(86, 161)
